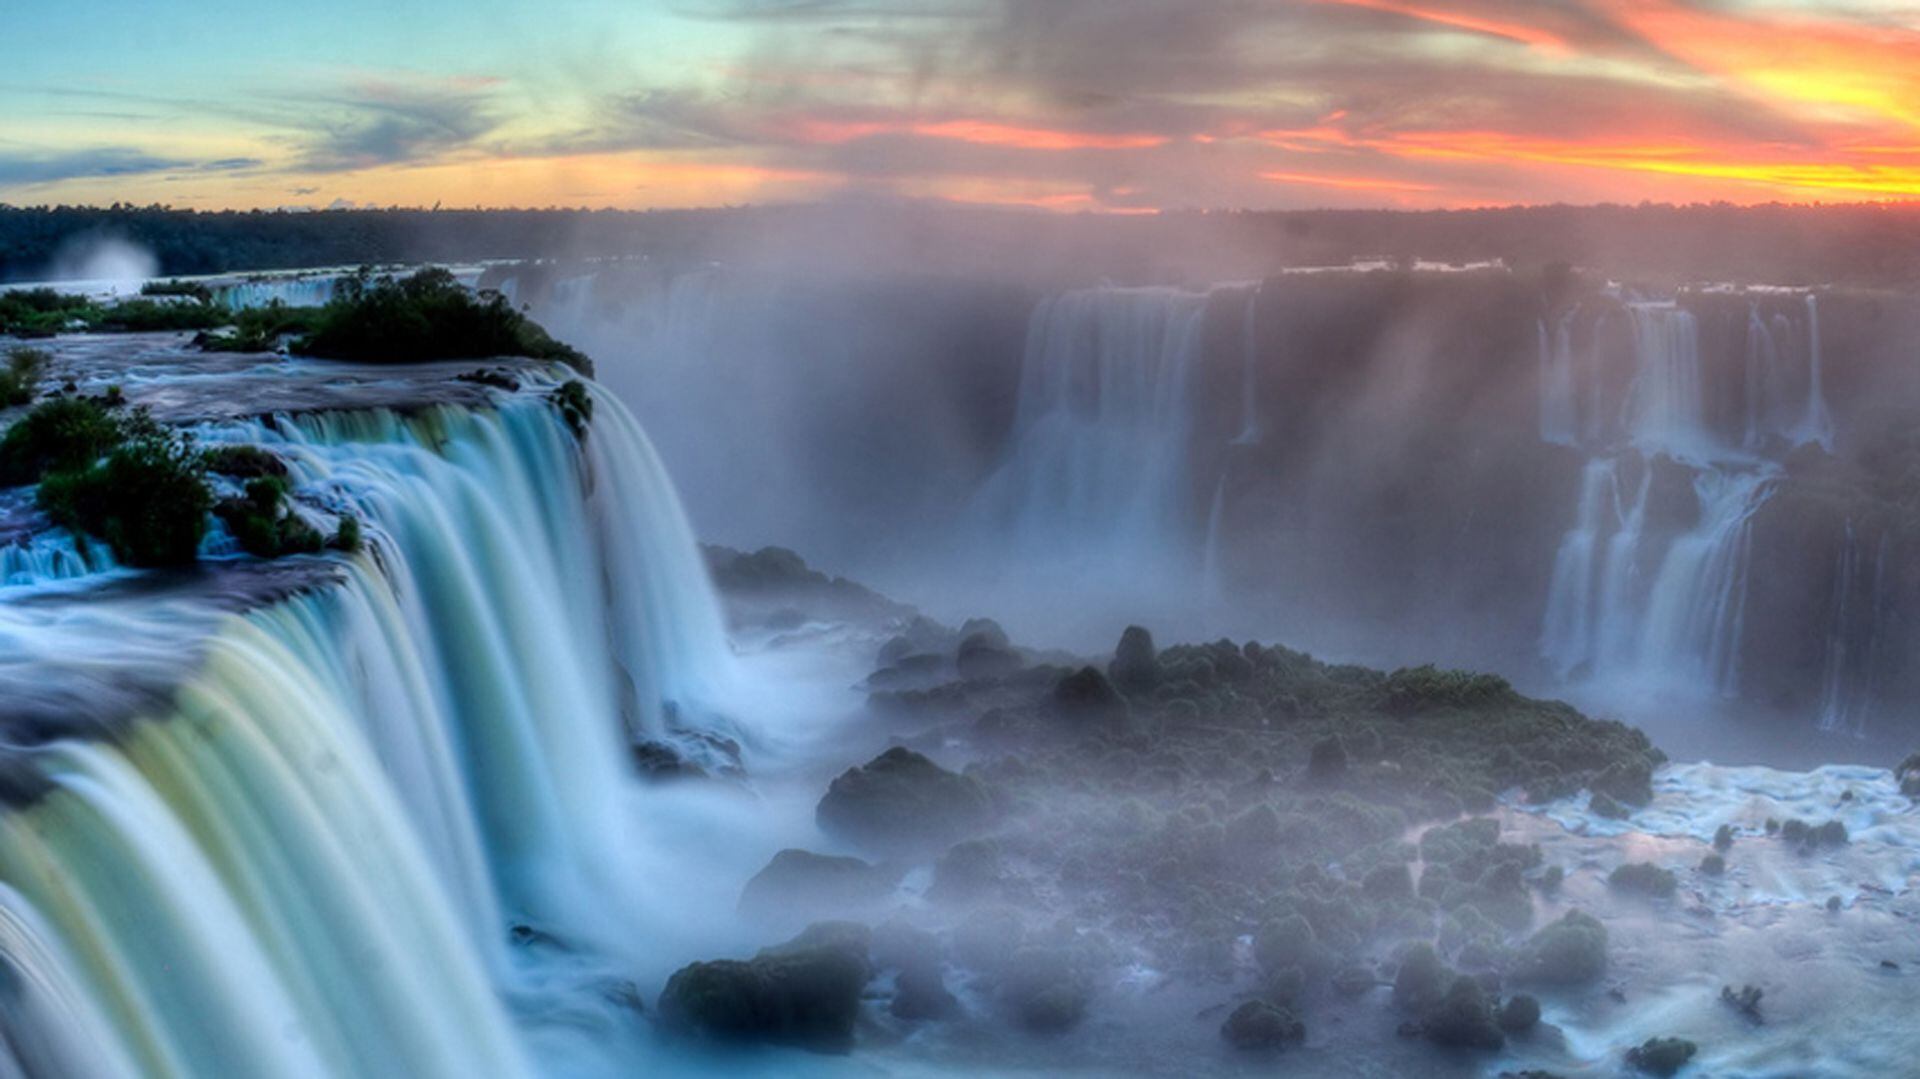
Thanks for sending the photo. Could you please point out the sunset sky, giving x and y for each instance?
(1116, 105)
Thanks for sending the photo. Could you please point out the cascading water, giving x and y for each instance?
(1817, 425)
(307, 864)
(1559, 386)
(1630, 601)
(1096, 478)
(1665, 404)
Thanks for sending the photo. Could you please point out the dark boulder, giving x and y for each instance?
(1661, 1056)
(920, 993)
(903, 802)
(968, 872)
(1088, 699)
(1260, 1026)
(1136, 665)
(801, 886)
(985, 655)
(1327, 761)
(804, 993)
(1520, 1014)
(1464, 1019)
(1567, 952)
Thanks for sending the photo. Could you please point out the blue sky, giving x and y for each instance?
(1118, 105)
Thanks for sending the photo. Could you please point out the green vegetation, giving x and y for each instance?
(148, 499)
(142, 488)
(262, 523)
(260, 329)
(346, 535)
(22, 375)
(426, 316)
(575, 404)
(43, 312)
(1645, 878)
(244, 462)
(191, 289)
(64, 434)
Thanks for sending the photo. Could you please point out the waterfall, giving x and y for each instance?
(1559, 403)
(308, 862)
(1672, 613)
(1817, 425)
(1665, 405)
(1250, 428)
(302, 290)
(1567, 638)
(1696, 613)
(1097, 477)
(1851, 664)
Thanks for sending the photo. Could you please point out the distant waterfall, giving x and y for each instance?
(1666, 403)
(302, 290)
(1097, 475)
(1851, 665)
(1251, 429)
(310, 866)
(1817, 426)
(1624, 602)
(1785, 382)
(1559, 385)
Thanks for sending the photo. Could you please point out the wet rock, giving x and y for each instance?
(799, 885)
(1746, 1001)
(1421, 980)
(986, 655)
(1605, 805)
(1520, 1014)
(1328, 760)
(1136, 664)
(901, 801)
(1570, 951)
(968, 872)
(804, 993)
(1463, 1019)
(1645, 879)
(1260, 1026)
(1661, 1056)
(660, 761)
(921, 994)
(1087, 698)
(1354, 981)
(1046, 989)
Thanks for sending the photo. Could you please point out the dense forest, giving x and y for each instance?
(1861, 244)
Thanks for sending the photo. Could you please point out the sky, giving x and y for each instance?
(1070, 105)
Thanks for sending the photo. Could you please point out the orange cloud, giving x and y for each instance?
(978, 132)
(1512, 31)
(1349, 183)
(1831, 70)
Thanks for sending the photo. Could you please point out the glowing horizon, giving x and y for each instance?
(1071, 105)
